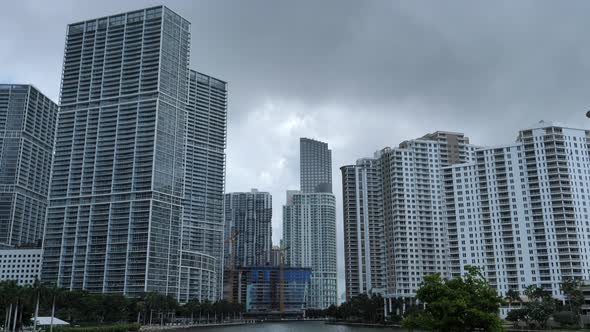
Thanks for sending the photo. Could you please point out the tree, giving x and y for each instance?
(539, 310)
(363, 308)
(517, 315)
(460, 304)
(512, 296)
(573, 295)
(534, 292)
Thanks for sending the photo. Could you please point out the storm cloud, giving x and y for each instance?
(360, 75)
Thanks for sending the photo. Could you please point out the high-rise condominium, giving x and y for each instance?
(202, 231)
(364, 252)
(520, 211)
(309, 224)
(413, 208)
(394, 222)
(116, 197)
(315, 161)
(27, 131)
(248, 215)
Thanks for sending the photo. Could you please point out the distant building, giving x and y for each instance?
(315, 160)
(27, 136)
(259, 289)
(275, 256)
(309, 224)
(249, 216)
(364, 243)
(20, 265)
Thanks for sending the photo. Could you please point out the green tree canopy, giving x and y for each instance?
(460, 304)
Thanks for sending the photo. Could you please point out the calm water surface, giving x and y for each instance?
(289, 327)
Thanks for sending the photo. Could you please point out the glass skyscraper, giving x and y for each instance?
(27, 131)
(202, 235)
(315, 161)
(250, 215)
(116, 198)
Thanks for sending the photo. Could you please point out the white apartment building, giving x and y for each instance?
(520, 211)
(364, 250)
(413, 208)
(309, 234)
(21, 265)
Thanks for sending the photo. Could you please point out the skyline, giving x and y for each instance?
(275, 98)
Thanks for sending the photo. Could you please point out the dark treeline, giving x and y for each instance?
(360, 309)
(84, 308)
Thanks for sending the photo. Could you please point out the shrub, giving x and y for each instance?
(109, 328)
(565, 318)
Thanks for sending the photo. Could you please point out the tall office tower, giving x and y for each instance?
(114, 220)
(520, 211)
(413, 208)
(248, 215)
(27, 135)
(309, 223)
(315, 163)
(364, 242)
(202, 231)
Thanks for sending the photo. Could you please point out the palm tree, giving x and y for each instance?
(512, 296)
(38, 290)
(192, 306)
(206, 307)
(10, 289)
(55, 294)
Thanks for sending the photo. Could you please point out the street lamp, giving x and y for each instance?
(588, 114)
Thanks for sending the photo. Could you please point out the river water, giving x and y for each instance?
(311, 326)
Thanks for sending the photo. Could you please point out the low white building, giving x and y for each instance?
(45, 321)
(21, 265)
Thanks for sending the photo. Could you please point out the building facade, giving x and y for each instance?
(27, 135)
(270, 290)
(309, 234)
(315, 166)
(116, 196)
(249, 216)
(276, 256)
(413, 208)
(20, 265)
(364, 242)
(520, 211)
(202, 231)
(309, 224)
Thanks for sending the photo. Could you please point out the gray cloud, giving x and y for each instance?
(358, 74)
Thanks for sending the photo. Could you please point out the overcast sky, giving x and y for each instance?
(360, 75)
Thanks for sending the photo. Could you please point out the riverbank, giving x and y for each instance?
(343, 322)
(188, 326)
